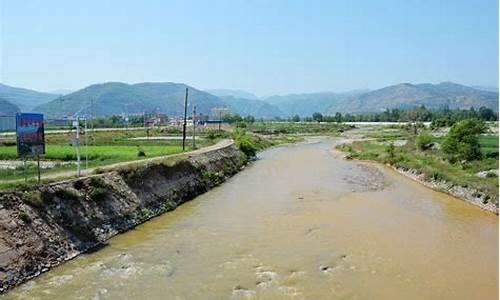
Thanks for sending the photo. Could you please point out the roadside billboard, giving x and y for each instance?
(30, 136)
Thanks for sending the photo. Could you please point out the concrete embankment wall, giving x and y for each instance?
(43, 226)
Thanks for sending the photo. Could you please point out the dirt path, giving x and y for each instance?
(86, 172)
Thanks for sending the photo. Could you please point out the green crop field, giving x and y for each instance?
(101, 153)
(489, 143)
(104, 148)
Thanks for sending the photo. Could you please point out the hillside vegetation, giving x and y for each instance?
(115, 98)
(25, 99)
(7, 108)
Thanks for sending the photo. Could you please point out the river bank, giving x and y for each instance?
(43, 226)
(468, 194)
(371, 150)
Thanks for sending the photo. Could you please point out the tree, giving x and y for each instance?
(338, 117)
(318, 117)
(462, 142)
(487, 114)
(232, 118)
(296, 118)
(249, 119)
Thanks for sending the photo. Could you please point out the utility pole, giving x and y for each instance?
(86, 145)
(184, 124)
(92, 113)
(220, 118)
(194, 127)
(77, 144)
(145, 125)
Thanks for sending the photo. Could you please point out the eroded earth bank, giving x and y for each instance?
(41, 227)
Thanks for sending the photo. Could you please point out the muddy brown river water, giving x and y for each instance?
(297, 224)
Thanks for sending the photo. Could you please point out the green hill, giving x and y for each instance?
(406, 95)
(402, 96)
(7, 108)
(307, 104)
(25, 99)
(115, 98)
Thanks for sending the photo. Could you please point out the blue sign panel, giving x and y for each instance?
(30, 136)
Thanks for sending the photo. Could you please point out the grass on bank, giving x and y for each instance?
(433, 163)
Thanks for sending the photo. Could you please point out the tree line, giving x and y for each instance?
(444, 117)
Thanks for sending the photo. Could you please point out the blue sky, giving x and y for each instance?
(266, 47)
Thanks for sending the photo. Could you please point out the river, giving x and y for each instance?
(299, 223)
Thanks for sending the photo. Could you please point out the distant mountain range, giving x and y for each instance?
(7, 108)
(252, 107)
(114, 98)
(307, 104)
(493, 89)
(406, 95)
(232, 93)
(23, 98)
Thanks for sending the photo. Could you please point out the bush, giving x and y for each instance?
(24, 216)
(493, 154)
(211, 177)
(241, 125)
(462, 142)
(69, 193)
(245, 143)
(423, 141)
(33, 199)
(97, 182)
(436, 176)
(140, 152)
(391, 154)
(491, 175)
(98, 194)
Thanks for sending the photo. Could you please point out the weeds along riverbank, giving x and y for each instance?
(421, 157)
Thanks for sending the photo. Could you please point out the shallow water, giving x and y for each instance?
(297, 224)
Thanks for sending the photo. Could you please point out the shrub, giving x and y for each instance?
(97, 182)
(493, 154)
(245, 143)
(210, 176)
(436, 176)
(140, 152)
(350, 152)
(247, 147)
(241, 125)
(146, 213)
(68, 193)
(491, 175)
(423, 141)
(24, 216)
(441, 122)
(98, 194)
(391, 154)
(33, 199)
